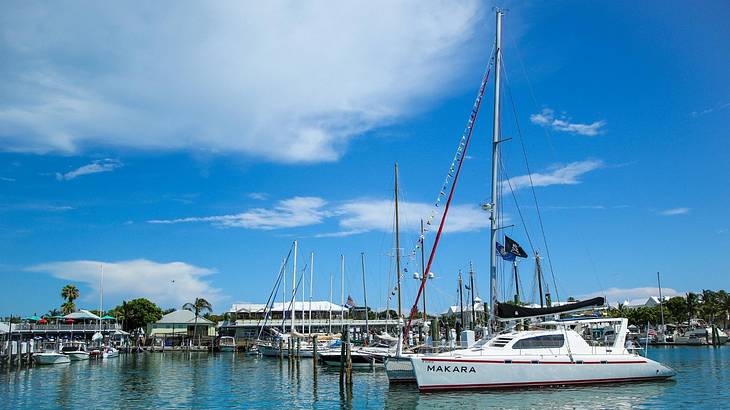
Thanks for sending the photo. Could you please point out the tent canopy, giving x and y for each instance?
(82, 315)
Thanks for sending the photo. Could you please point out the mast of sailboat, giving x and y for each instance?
(397, 244)
(283, 296)
(423, 270)
(661, 303)
(311, 278)
(365, 297)
(461, 299)
(101, 295)
(342, 293)
(517, 282)
(471, 289)
(330, 318)
(538, 273)
(294, 289)
(495, 163)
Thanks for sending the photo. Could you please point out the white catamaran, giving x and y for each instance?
(559, 352)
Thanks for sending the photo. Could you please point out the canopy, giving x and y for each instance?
(82, 315)
(107, 317)
(510, 311)
(32, 318)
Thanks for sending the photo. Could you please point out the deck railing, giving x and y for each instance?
(53, 327)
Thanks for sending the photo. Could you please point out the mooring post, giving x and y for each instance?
(299, 348)
(349, 365)
(314, 353)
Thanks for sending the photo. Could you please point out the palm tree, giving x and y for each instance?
(69, 293)
(692, 302)
(723, 301)
(200, 305)
(53, 312)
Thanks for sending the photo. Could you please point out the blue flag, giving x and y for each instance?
(508, 256)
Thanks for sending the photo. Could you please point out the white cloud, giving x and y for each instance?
(632, 295)
(718, 107)
(674, 211)
(366, 215)
(288, 213)
(259, 196)
(546, 118)
(102, 165)
(559, 175)
(137, 278)
(281, 81)
(7, 179)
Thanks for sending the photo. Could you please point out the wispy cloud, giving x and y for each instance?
(102, 165)
(579, 207)
(289, 213)
(546, 118)
(674, 211)
(289, 84)
(38, 206)
(259, 196)
(558, 175)
(632, 295)
(7, 179)
(718, 107)
(172, 283)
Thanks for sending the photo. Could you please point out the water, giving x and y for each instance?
(201, 380)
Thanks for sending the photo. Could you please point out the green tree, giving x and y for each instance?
(136, 313)
(69, 293)
(199, 305)
(693, 302)
(675, 309)
(53, 312)
(723, 304)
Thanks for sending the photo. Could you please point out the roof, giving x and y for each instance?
(82, 315)
(4, 328)
(183, 317)
(317, 306)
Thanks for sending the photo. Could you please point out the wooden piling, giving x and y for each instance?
(299, 347)
(348, 369)
(314, 354)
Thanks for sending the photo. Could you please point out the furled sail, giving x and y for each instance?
(511, 311)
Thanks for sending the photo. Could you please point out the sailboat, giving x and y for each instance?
(553, 352)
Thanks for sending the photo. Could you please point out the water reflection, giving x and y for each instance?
(181, 379)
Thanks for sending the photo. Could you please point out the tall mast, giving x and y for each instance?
(495, 164)
(661, 302)
(517, 282)
(311, 277)
(397, 244)
(461, 299)
(294, 289)
(283, 296)
(423, 269)
(101, 295)
(342, 291)
(330, 319)
(471, 289)
(365, 297)
(538, 272)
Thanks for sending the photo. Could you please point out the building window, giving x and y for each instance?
(540, 342)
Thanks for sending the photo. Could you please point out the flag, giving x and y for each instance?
(514, 247)
(508, 256)
(350, 302)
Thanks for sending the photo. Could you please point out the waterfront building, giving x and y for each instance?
(176, 327)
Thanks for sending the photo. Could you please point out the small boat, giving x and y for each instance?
(75, 351)
(359, 359)
(227, 344)
(109, 352)
(50, 355)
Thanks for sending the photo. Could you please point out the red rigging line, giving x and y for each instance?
(470, 126)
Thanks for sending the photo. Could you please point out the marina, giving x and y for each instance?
(303, 219)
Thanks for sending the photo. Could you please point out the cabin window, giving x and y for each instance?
(540, 342)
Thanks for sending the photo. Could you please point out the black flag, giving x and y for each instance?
(514, 247)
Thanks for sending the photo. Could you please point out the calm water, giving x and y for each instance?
(181, 380)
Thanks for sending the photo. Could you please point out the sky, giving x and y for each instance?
(183, 149)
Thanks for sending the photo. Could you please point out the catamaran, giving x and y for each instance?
(552, 352)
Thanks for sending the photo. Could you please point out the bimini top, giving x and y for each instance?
(510, 311)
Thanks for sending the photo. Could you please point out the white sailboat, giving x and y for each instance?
(564, 352)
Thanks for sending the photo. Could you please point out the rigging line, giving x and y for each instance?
(274, 292)
(532, 186)
(470, 126)
(517, 205)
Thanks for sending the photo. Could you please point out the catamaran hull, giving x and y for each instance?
(400, 370)
(461, 373)
(45, 359)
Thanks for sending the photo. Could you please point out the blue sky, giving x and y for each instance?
(195, 143)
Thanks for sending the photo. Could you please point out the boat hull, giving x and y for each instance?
(47, 359)
(442, 373)
(358, 360)
(227, 348)
(77, 356)
(400, 370)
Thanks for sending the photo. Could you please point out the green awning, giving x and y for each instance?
(107, 317)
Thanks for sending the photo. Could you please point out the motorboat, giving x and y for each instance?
(567, 354)
(360, 359)
(109, 352)
(75, 351)
(227, 344)
(49, 355)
